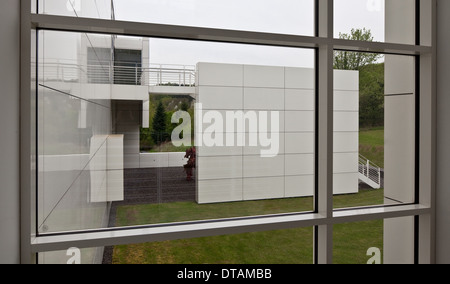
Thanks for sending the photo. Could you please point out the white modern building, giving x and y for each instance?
(239, 172)
(76, 79)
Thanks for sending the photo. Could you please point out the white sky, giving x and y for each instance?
(277, 16)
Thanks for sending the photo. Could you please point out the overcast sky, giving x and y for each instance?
(277, 16)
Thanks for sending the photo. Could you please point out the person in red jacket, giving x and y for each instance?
(188, 168)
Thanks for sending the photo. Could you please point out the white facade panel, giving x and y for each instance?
(263, 99)
(289, 92)
(263, 76)
(228, 75)
(257, 166)
(263, 188)
(300, 143)
(299, 99)
(346, 121)
(345, 183)
(345, 80)
(299, 186)
(299, 121)
(216, 191)
(213, 98)
(228, 167)
(299, 164)
(300, 78)
(346, 101)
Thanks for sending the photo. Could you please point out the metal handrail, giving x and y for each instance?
(369, 169)
(120, 73)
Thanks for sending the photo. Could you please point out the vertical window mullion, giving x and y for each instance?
(324, 196)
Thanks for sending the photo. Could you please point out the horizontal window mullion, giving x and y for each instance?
(215, 228)
(74, 24)
(380, 47)
(125, 28)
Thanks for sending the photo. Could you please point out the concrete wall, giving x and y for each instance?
(239, 172)
(443, 137)
(9, 125)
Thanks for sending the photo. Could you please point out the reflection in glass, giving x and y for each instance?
(110, 114)
(383, 126)
(390, 21)
(281, 16)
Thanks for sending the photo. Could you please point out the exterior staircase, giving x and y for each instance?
(369, 173)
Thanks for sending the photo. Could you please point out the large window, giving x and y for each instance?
(186, 125)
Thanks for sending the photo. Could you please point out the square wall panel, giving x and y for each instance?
(257, 166)
(300, 78)
(217, 191)
(263, 99)
(345, 80)
(299, 186)
(228, 167)
(298, 99)
(299, 121)
(263, 188)
(346, 101)
(346, 121)
(220, 97)
(263, 76)
(299, 164)
(225, 75)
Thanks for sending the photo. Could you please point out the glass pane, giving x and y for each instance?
(136, 131)
(72, 255)
(281, 16)
(376, 20)
(99, 9)
(374, 141)
(389, 241)
(358, 243)
(293, 246)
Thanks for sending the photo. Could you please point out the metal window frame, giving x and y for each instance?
(324, 217)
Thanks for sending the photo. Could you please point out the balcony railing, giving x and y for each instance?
(122, 73)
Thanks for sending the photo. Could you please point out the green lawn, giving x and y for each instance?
(294, 246)
(351, 241)
(371, 145)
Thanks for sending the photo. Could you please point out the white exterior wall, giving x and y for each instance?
(240, 173)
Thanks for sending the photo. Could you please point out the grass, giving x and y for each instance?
(294, 246)
(371, 144)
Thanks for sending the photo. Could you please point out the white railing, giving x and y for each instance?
(171, 75)
(120, 73)
(370, 171)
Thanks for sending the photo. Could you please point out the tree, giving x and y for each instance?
(159, 127)
(184, 106)
(349, 60)
(371, 78)
(371, 99)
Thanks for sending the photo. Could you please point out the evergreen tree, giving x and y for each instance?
(159, 127)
